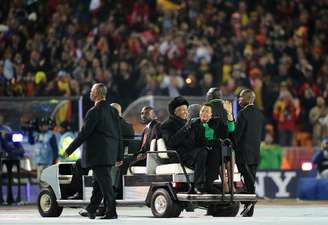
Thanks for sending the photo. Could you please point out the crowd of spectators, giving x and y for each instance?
(178, 47)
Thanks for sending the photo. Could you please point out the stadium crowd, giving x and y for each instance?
(277, 48)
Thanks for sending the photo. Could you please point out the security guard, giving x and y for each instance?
(247, 136)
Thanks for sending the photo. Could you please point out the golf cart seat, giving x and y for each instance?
(137, 170)
(154, 162)
(171, 168)
(143, 169)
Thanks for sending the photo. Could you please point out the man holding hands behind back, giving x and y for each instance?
(248, 135)
(101, 135)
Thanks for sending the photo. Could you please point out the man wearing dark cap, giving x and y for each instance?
(178, 109)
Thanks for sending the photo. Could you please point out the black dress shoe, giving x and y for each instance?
(85, 213)
(249, 213)
(248, 210)
(100, 212)
(246, 206)
(92, 216)
(109, 216)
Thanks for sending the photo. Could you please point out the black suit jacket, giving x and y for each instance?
(153, 129)
(192, 135)
(218, 110)
(169, 129)
(248, 135)
(126, 131)
(101, 134)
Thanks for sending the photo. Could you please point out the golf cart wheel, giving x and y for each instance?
(162, 205)
(228, 210)
(47, 204)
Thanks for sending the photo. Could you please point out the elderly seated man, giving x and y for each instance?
(178, 109)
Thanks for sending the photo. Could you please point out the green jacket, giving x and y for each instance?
(270, 156)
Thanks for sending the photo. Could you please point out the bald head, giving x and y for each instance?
(118, 107)
(246, 97)
(213, 93)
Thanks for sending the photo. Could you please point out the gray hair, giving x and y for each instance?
(193, 111)
(101, 90)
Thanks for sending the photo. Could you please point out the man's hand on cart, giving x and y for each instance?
(141, 156)
(119, 163)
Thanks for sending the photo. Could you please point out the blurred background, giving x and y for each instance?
(149, 51)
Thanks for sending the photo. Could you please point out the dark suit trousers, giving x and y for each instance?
(248, 171)
(205, 164)
(212, 165)
(102, 187)
(9, 164)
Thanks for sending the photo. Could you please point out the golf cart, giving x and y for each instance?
(165, 188)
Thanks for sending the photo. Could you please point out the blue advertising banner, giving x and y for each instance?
(278, 183)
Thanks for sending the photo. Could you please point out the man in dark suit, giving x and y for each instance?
(247, 136)
(126, 128)
(127, 133)
(150, 132)
(101, 135)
